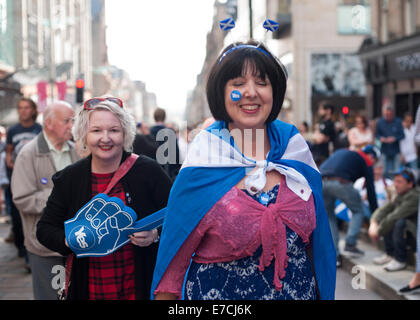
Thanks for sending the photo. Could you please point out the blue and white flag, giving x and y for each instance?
(214, 165)
(341, 211)
(227, 24)
(270, 25)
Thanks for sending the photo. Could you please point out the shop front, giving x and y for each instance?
(392, 72)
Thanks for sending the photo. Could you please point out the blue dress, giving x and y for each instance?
(242, 280)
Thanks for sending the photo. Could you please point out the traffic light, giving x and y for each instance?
(345, 111)
(80, 90)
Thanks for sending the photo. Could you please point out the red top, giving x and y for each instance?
(111, 277)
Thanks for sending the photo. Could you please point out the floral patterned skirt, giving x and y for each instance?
(242, 280)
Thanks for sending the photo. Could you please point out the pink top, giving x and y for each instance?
(235, 227)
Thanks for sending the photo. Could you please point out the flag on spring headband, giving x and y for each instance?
(214, 165)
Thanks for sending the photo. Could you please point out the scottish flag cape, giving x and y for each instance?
(214, 165)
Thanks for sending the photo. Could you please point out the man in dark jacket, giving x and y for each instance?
(167, 154)
(326, 133)
(144, 142)
(146, 188)
(339, 172)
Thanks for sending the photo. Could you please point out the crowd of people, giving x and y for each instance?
(373, 171)
(250, 201)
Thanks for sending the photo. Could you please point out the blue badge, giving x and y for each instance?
(227, 24)
(270, 25)
(103, 225)
(44, 180)
(235, 95)
(264, 198)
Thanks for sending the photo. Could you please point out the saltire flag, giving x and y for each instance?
(214, 165)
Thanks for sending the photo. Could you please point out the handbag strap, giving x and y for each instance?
(122, 170)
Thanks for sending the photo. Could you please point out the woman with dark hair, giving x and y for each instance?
(247, 206)
(360, 135)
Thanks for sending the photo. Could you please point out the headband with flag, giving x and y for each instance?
(270, 25)
(214, 165)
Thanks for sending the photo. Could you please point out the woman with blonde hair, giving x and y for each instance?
(105, 129)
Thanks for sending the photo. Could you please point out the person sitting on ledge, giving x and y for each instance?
(393, 219)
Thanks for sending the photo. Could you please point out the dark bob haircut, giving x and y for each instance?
(233, 65)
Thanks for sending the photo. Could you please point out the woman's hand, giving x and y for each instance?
(144, 238)
(373, 231)
(165, 296)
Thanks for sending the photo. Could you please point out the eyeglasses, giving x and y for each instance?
(92, 103)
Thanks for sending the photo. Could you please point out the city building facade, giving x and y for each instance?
(51, 48)
(317, 41)
(46, 45)
(197, 109)
(391, 57)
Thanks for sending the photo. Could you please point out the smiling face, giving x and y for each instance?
(253, 109)
(105, 138)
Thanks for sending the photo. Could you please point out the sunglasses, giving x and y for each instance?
(92, 103)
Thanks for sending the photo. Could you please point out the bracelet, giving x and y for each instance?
(157, 238)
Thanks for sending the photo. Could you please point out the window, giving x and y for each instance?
(353, 17)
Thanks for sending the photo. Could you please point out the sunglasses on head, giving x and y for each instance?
(92, 103)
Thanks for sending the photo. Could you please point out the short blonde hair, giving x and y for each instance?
(81, 124)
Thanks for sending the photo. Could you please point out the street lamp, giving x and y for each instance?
(251, 27)
(52, 71)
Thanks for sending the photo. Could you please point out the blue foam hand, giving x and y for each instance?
(270, 25)
(103, 225)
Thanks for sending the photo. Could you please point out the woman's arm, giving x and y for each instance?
(165, 296)
(170, 285)
(144, 238)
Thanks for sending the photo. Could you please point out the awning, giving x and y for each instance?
(391, 61)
